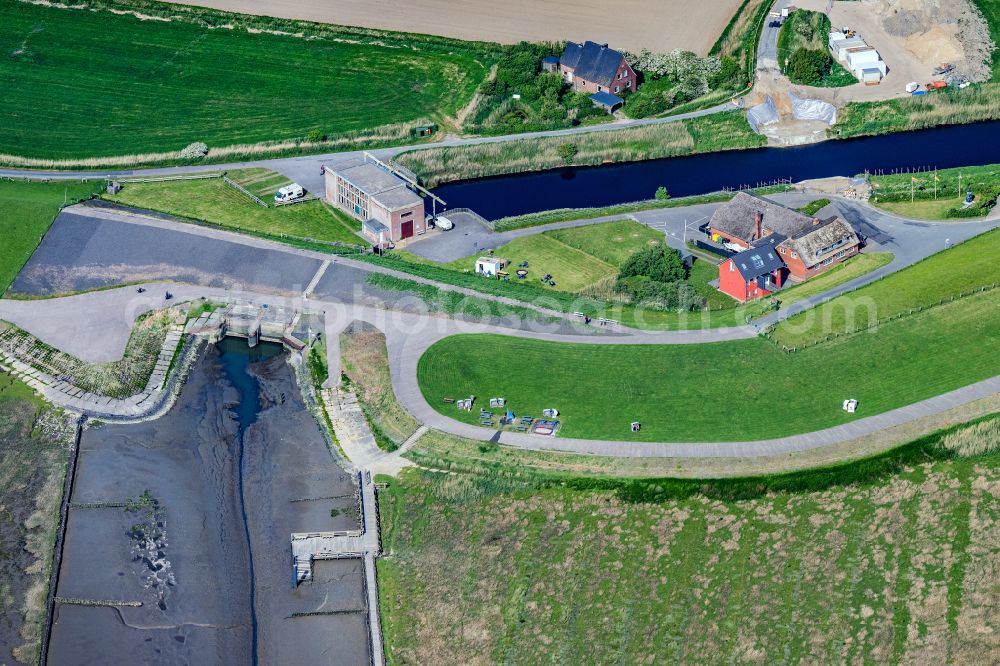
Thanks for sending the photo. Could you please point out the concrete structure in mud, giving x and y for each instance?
(308, 547)
(256, 323)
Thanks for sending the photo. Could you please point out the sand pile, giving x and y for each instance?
(940, 31)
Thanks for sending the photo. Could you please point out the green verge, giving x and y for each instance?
(453, 302)
(938, 195)
(27, 210)
(991, 12)
(817, 26)
(167, 83)
(962, 269)
(721, 131)
(708, 571)
(741, 390)
(213, 201)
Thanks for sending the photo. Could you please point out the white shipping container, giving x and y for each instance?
(848, 44)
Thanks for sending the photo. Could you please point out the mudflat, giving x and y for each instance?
(627, 24)
(211, 493)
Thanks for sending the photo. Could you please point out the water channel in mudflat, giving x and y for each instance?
(211, 493)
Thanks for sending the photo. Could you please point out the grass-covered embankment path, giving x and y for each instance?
(83, 82)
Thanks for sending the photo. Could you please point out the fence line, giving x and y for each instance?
(244, 191)
(164, 179)
(878, 322)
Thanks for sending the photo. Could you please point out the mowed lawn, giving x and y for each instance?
(576, 257)
(742, 390)
(82, 84)
(26, 211)
(613, 242)
(212, 200)
(963, 268)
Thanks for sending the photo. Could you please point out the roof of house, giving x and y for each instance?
(828, 237)
(757, 261)
(550, 59)
(606, 99)
(388, 190)
(375, 227)
(737, 218)
(592, 62)
(489, 260)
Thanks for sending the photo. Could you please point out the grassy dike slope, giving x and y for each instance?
(26, 212)
(742, 390)
(900, 567)
(81, 83)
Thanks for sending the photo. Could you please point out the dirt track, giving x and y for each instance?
(659, 25)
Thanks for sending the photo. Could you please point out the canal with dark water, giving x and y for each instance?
(200, 553)
(586, 187)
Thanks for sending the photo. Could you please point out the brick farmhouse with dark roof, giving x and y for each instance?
(594, 68)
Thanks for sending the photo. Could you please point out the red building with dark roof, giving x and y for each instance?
(595, 68)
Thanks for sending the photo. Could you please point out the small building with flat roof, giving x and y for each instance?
(607, 101)
(389, 210)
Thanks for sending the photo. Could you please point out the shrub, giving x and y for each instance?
(656, 263)
(194, 151)
(808, 66)
(662, 194)
(567, 152)
(315, 136)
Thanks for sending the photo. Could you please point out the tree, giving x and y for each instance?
(657, 263)
(567, 151)
(662, 194)
(808, 66)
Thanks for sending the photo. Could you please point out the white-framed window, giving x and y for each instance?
(628, 84)
(781, 250)
(617, 88)
(795, 255)
(732, 267)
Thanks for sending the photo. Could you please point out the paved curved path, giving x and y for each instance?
(409, 334)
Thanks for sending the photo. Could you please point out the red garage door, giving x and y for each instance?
(406, 230)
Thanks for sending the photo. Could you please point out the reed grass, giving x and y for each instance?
(975, 440)
(950, 107)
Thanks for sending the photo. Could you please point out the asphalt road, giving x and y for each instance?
(101, 319)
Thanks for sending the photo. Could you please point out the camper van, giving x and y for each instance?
(289, 193)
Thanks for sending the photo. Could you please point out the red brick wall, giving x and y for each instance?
(583, 85)
(732, 283)
(798, 269)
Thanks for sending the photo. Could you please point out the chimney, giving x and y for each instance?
(758, 232)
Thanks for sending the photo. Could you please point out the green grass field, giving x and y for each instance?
(963, 268)
(26, 211)
(742, 390)
(577, 257)
(81, 83)
(902, 568)
(571, 269)
(932, 199)
(212, 200)
(611, 242)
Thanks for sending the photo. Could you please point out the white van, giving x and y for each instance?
(443, 223)
(289, 193)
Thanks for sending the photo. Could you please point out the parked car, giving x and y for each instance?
(443, 223)
(289, 193)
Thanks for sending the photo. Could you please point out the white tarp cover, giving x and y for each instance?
(813, 109)
(762, 114)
